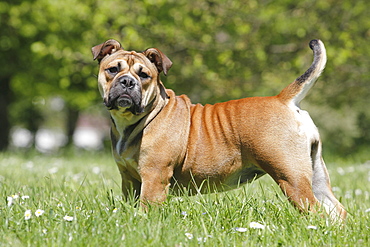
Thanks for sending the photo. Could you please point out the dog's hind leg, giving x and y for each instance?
(297, 187)
(305, 181)
(292, 171)
(321, 185)
(300, 172)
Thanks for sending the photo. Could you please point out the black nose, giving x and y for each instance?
(127, 81)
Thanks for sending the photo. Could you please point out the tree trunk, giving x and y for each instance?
(72, 117)
(5, 97)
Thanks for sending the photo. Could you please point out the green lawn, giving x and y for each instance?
(80, 198)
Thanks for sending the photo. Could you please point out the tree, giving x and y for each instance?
(221, 50)
(11, 61)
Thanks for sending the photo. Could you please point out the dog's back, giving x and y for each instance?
(226, 138)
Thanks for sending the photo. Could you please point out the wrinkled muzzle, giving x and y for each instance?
(125, 94)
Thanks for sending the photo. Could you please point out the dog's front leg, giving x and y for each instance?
(155, 185)
(130, 186)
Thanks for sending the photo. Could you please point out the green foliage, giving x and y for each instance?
(87, 187)
(221, 50)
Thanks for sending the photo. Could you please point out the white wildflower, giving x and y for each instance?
(256, 225)
(10, 201)
(39, 212)
(200, 240)
(358, 192)
(68, 218)
(241, 229)
(312, 227)
(184, 213)
(189, 235)
(96, 170)
(27, 214)
(15, 196)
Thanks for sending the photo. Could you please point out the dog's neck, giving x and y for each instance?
(125, 123)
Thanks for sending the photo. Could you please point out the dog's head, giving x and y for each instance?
(128, 80)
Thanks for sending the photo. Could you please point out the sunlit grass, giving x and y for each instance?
(74, 200)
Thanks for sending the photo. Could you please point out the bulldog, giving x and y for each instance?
(160, 140)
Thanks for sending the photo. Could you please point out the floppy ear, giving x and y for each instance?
(161, 61)
(108, 47)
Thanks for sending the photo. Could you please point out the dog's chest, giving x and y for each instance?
(127, 162)
(125, 153)
(126, 149)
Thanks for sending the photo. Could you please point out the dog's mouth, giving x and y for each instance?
(114, 102)
(124, 102)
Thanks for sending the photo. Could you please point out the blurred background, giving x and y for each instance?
(221, 50)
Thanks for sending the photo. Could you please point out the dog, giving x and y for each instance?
(160, 140)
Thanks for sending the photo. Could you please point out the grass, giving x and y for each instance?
(87, 187)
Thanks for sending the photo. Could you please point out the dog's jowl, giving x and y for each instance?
(160, 140)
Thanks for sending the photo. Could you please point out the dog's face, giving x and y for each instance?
(128, 80)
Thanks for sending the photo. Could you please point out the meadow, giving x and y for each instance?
(73, 199)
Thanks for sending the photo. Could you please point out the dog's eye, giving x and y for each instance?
(143, 75)
(113, 70)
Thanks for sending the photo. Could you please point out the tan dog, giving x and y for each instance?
(160, 139)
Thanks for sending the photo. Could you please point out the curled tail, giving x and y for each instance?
(297, 90)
